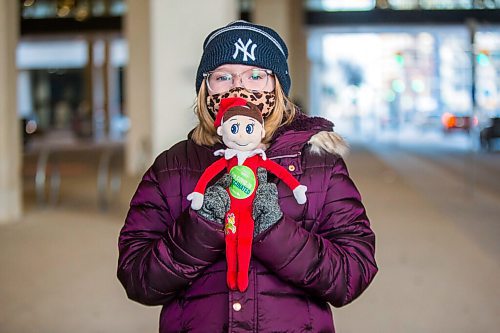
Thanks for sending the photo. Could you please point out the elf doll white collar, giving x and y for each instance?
(229, 153)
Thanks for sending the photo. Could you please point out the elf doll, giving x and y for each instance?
(241, 126)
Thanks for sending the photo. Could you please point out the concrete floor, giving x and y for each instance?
(58, 265)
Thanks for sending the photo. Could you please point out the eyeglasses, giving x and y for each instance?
(253, 79)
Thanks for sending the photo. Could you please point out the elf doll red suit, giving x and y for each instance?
(240, 124)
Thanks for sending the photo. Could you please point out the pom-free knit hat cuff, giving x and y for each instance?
(244, 43)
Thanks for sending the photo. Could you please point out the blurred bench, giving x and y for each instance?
(52, 163)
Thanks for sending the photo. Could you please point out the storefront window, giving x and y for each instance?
(62, 89)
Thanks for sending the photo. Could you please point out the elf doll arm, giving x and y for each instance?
(299, 191)
(196, 197)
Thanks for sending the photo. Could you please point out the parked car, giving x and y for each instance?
(490, 133)
(458, 122)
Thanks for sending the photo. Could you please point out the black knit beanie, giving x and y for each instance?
(244, 43)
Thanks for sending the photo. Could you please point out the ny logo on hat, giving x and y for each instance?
(244, 48)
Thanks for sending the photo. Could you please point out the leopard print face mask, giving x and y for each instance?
(265, 101)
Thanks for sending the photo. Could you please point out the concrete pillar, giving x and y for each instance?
(138, 86)
(300, 62)
(165, 41)
(10, 136)
(287, 18)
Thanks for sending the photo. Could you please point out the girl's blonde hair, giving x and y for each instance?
(206, 134)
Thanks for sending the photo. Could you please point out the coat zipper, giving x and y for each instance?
(285, 156)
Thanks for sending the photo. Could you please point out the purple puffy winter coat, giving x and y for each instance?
(318, 253)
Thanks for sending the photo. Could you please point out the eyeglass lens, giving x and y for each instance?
(252, 79)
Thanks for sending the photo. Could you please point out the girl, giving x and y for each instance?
(304, 257)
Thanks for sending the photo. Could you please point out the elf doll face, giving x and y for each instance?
(241, 133)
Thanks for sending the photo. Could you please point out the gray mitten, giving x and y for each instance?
(266, 210)
(216, 201)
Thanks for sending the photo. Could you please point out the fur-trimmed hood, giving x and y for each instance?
(330, 142)
(318, 134)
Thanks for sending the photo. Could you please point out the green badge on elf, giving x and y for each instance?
(244, 182)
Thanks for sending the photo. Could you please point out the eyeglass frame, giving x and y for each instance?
(268, 72)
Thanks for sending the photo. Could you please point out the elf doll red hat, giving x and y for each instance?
(237, 106)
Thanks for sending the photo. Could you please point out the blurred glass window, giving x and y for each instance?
(339, 5)
(403, 4)
(51, 54)
(79, 10)
(350, 5)
(61, 90)
(487, 57)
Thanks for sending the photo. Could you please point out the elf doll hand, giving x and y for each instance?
(216, 200)
(266, 210)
